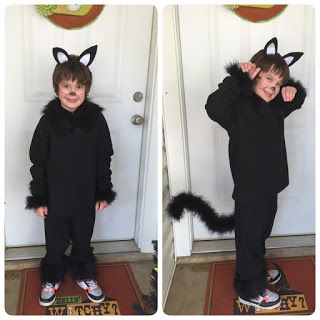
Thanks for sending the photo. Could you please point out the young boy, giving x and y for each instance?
(71, 152)
(251, 104)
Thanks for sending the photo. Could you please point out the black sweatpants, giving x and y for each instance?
(59, 231)
(253, 225)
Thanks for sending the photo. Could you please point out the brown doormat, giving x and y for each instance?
(297, 288)
(116, 279)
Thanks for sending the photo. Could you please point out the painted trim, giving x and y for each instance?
(147, 202)
(166, 293)
(175, 129)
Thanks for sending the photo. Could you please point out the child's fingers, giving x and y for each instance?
(288, 93)
(41, 211)
(246, 66)
(241, 66)
(254, 73)
(104, 205)
(283, 93)
(101, 205)
(289, 96)
(293, 93)
(250, 66)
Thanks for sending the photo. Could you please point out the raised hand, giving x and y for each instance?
(288, 93)
(250, 68)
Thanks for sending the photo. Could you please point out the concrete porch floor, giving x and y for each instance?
(189, 284)
(141, 265)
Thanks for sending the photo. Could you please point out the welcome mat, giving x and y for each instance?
(116, 279)
(65, 306)
(297, 288)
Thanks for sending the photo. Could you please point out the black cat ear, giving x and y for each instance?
(292, 57)
(60, 55)
(88, 55)
(271, 47)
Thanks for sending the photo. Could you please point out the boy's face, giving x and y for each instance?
(71, 94)
(267, 85)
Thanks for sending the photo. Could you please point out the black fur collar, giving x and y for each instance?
(63, 121)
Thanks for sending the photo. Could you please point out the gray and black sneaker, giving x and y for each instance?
(269, 300)
(48, 293)
(273, 276)
(94, 292)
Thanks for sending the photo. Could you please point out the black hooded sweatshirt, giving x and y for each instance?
(71, 155)
(257, 150)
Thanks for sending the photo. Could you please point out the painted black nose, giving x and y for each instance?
(72, 93)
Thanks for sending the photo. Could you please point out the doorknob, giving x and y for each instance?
(137, 120)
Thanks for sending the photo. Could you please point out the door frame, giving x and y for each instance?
(146, 228)
(175, 127)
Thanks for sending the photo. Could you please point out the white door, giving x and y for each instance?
(123, 35)
(211, 37)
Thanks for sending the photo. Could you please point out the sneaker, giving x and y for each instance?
(273, 276)
(269, 300)
(94, 292)
(48, 293)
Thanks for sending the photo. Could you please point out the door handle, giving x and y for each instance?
(137, 120)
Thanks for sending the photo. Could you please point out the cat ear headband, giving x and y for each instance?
(271, 48)
(86, 57)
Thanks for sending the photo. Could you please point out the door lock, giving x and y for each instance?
(137, 96)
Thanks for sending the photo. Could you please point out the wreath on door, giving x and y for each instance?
(71, 16)
(257, 13)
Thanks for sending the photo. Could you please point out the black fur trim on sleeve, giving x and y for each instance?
(108, 196)
(34, 202)
(245, 83)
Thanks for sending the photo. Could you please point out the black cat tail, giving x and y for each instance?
(200, 207)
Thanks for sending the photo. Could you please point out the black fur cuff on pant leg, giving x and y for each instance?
(53, 272)
(252, 288)
(84, 270)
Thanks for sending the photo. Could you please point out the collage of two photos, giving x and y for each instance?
(81, 159)
(91, 177)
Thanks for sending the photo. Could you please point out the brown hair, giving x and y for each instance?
(72, 70)
(275, 62)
